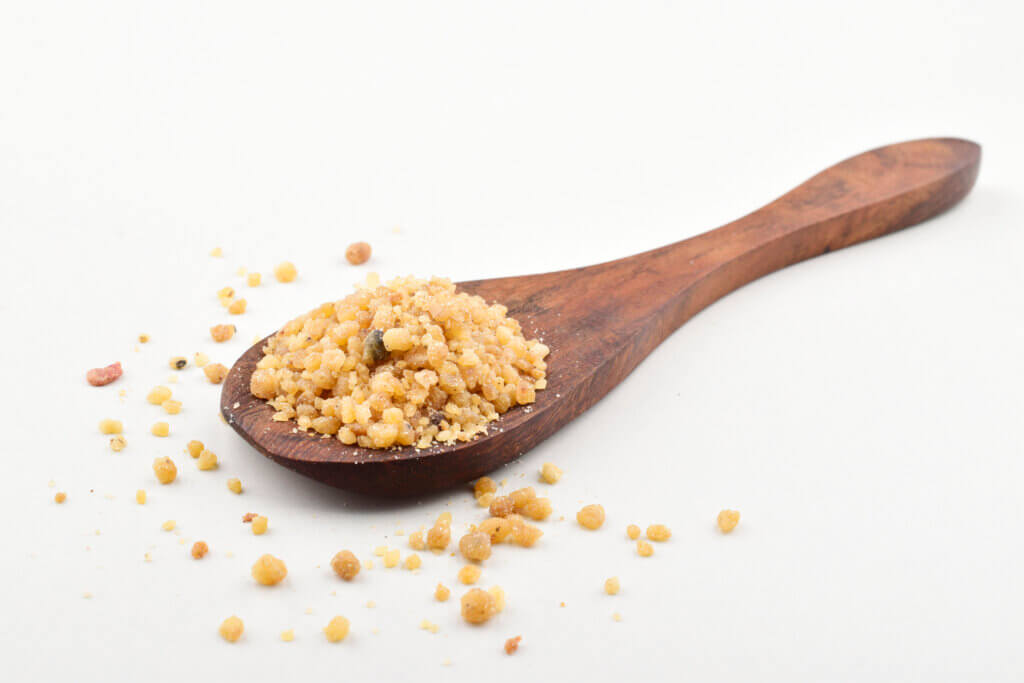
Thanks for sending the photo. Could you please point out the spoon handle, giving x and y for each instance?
(866, 196)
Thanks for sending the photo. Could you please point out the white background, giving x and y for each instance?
(862, 410)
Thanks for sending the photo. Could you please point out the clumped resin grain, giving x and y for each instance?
(410, 363)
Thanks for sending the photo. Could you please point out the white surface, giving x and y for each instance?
(862, 410)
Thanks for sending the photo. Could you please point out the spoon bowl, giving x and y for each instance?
(602, 320)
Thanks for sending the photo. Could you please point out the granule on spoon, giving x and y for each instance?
(413, 362)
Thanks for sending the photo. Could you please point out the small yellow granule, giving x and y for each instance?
(171, 407)
(484, 485)
(439, 536)
(550, 473)
(217, 252)
(60, 497)
(118, 443)
(269, 570)
(469, 574)
(428, 625)
(416, 541)
(194, 448)
(178, 363)
(345, 564)
(222, 333)
(336, 629)
(160, 429)
(380, 550)
(289, 634)
(391, 558)
(475, 546)
(538, 508)
(478, 606)
(498, 528)
(659, 532)
(253, 279)
(240, 271)
(611, 586)
(207, 460)
(358, 253)
(485, 500)
(109, 426)
(633, 531)
(201, 360)
(226, 293)
(727, 520)
(617, 617)
(502, 506)
(397, 339)
(370, 604)
(521, 497)
(444, 518)
(259, 525)
(590, 517)
(158, 395)
(525, 535)
(165, 470)
(285, 272)
(143, 338)
(237, 307)
(231, 629)
(169, 525)
(368, 565)
(215, 372)
(644, 549)
(235, 485)
(413, 562)
(140, 496)
(199, 549)
(442, 593)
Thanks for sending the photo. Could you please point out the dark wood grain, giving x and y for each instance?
(602, 320)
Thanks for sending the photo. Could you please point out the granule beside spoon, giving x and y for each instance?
(602, 320)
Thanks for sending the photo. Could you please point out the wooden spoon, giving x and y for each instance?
(602, 320)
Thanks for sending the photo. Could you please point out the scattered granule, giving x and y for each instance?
(727, 520)
(469, 574)
(427, 625)
(478, 606)
(237, 307)
(99, 377)
(160, 429)
(165, 470)
(380, 550)
(207, 460)
(538, 508)
(611, 586)
(285, 272)
(222, 333)
(659, 533)
(269, 570)
(178, 363)
(248, 517)
(194, 448)
(391, 558)
(439, 536)
(525, 535)
(217, 252)
(171, 379)
(345, 564)
(358, 253)
(253, 279)
(484, 485)
(370, 604)
(118, 443)
(590, 517)
(485, 500)
(561, 604)
(442, 593)
(199, 549)
(498, 528)
(147, 557)
(158, 395)
(337, 628)
(51, 483)
(520, 497)
(617, 617)
(550, 473)
(231, 629)
(445, 517)
(475, 546)
(410, 363)
(502, 506)
(140, 496)
(416, 541)
(644, 549)
(109, 426)
(259, 525)
(633, 532)
(499, 598)
(235, 485)
(143, 338)
(308, 610)
(87, 595)
(287, 635)
(215, 372)
(169, 525)
(413, 562)
(60, 497)
(368, 564)
(240, 271)
(512, 644)
(201, 360)
(171, 407)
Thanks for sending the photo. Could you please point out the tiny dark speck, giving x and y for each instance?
(828, 248)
